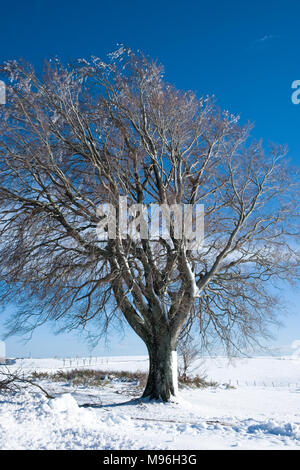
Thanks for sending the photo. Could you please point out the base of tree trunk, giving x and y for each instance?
(162, 381)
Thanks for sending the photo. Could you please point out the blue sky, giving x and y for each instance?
(245, 53)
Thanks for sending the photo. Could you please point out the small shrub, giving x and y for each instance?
(93, 378)
(196, 382)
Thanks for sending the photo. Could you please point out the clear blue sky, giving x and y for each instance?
(245, 53)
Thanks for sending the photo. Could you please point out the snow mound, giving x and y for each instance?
(64, 403)
(291, 430)
(33, 422)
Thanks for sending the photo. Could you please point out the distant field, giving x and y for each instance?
(257, 371)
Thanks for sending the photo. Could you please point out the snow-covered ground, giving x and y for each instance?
(261, 412)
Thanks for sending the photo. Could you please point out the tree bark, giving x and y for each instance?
(162, 381)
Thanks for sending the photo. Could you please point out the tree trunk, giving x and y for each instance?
(162, 379)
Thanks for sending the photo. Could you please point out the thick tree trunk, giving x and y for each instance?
(162, 380)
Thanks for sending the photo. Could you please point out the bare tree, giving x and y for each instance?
(87, 133)
(188, 351)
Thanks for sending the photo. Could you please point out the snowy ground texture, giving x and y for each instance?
(261, 412)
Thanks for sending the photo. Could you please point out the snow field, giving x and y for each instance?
(246, 417)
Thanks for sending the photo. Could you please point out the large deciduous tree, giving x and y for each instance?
(82, 135)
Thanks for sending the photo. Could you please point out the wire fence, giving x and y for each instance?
(294, 386)
(81, 362)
